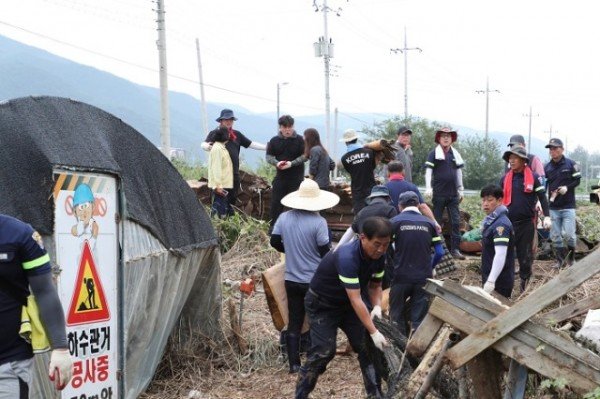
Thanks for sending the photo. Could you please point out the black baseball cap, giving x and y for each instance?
(554, 142)
(404, 130)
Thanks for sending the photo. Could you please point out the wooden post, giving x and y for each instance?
(507, 321)
(485, 371)
(425, 366)
(424, 335)
(235, 327)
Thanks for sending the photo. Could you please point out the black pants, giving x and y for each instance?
(413, 297)
(524, 234)
(452, 205)
(281, 187)
(295, 299)
(325, 319)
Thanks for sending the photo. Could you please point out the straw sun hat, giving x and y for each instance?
(310, 198)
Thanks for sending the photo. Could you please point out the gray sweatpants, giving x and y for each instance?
(15, 378)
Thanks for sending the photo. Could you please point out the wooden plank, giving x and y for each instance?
(423, 369)
(511, 347)
(485, 371)
(424, 335)
(569, 311)
(507, 321)
(536, 336)
(517, 381)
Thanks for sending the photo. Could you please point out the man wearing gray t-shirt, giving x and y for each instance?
(303, 236)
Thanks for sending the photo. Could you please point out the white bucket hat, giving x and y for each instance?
(310, 198)
(349, 135)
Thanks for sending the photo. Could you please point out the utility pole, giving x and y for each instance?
(529, 115)
(335, 141)
(549, 133)
(324, 48)
(202, 98)
(161, 43)
(278, 95)
(487, 104)
(404, 51)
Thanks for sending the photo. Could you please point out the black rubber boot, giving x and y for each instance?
(570, 256)
(560, 257)
(372, 382)
(292, 343)
(524, 283)
(306, 383)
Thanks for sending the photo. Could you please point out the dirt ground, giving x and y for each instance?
(217, 370)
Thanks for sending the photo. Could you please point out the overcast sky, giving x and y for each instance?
(542, 54)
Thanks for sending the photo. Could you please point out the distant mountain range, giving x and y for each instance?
(30, 71)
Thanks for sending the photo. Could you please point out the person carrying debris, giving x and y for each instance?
(286, 153)
(334, 301)
(301, 234)
(563, 175)
(25, 268)
(320, 163)
(360, 163)
(235, 141)
(444, 165)
(220, 174)
(498, 242)
(522, 189)
(414, 235)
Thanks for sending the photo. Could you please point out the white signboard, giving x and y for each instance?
(86, 251)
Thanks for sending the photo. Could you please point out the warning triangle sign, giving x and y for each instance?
(88, 303)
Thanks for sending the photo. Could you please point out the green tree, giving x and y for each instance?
(483, 161)
(188, 170)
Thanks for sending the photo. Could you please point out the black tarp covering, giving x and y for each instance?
(38, 134)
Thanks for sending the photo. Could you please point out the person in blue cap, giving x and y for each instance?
(83, 207)
(233, 145)
(414, 235)
(24, 269)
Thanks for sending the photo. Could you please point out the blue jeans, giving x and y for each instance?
(408, 299)
(220, 206)
(563, 228)
(451, 203)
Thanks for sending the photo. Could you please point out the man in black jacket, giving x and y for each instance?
(360, 163)
(286, 152)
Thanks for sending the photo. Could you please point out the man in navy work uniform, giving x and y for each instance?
(497, 255)
(522, 189)
(562, 176)
(360, 163)
(233, 145)
(334, 301)
(25, 265)
(414, 235)
(444, 164)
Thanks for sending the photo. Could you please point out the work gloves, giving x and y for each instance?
(547, 222)
(562, 190)
(489, 286)
(60, 370)
(379, 340)
(376, 312)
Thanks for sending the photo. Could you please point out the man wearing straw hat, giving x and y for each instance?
(334, 301)
(302, 234)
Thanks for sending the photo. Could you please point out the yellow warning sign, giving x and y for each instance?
(88, 303)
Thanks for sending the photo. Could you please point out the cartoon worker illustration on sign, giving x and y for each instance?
(83, 205)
